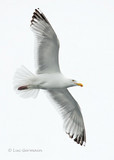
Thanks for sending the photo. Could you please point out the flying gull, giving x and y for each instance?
(49, 78)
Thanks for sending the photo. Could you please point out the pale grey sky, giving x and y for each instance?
(85, 29)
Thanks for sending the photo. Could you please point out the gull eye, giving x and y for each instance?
(73, 80)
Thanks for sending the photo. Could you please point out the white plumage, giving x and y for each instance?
(49, 78)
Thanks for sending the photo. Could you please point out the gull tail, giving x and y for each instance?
(23, 80)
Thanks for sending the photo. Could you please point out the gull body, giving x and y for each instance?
(49, 78)
(50, 81)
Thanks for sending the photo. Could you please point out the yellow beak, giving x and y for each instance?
(79, 84)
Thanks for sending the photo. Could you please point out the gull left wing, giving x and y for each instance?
(71, 113)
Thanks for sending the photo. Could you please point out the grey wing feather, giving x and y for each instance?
(71, 113)
(46, 44)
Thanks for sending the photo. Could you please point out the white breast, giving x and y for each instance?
(52, 81)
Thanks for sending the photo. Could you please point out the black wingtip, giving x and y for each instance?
(79, 139)
(37, 16)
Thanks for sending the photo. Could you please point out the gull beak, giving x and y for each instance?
(79, 84)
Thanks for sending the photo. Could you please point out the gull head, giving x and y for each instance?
(75, 83)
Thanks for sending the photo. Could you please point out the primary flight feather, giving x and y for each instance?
(49, 78)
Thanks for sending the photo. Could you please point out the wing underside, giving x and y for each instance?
(46, 44)
(71, 113)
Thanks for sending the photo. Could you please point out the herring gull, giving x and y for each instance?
(49, 78)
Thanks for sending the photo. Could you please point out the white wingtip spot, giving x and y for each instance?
(39, 10)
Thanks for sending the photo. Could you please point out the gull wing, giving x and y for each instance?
(71, 113)
(46, 44)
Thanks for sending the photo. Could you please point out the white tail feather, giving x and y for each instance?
(23, 77)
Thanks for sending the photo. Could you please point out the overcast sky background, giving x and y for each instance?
(85, 29)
